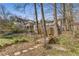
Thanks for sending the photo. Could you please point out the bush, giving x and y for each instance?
(65, 40)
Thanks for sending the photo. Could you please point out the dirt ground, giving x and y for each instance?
(9, 50)
(16, 50)
(30, 50)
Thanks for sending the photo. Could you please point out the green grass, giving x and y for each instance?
(12, 39)
(65, 40)
(70, 44)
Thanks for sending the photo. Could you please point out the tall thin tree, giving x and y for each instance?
(65, 25)
(71, 19)
(44, 24)
(36, 17)
(55, 18)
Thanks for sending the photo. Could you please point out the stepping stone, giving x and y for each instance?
(60, 48)
(36, 46)
(25, 51)
(31, 48)
(17, 53)
(48, 55)
(7, 55)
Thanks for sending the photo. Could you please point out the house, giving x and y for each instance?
(76, 25)
(23, 24)
(49, 26)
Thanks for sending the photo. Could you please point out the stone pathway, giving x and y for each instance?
(33, 48)
(25, 51)
(29, 49)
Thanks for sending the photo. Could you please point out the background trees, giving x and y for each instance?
(44, 12)
(56, 29)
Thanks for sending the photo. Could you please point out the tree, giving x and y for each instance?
(36, 17)
(64, 20)
(71, 16)
(56, 28)
(44, 25)
(71, 19)
(4, 12)
(5, 23)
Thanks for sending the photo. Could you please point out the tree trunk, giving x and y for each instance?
(3, 12)
(44, 25)
(36, 17)
(64, 20)
(71, 19)
(56, 29)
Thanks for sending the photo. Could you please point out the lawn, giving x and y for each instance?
(12, 39)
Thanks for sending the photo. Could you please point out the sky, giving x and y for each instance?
(29, 10)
